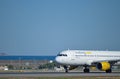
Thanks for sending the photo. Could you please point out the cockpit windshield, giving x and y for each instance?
(62, 55)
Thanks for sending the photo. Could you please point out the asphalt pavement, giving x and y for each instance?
(56, 74)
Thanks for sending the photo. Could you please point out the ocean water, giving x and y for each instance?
(27, 57)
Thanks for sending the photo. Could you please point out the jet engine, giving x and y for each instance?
(104, 66)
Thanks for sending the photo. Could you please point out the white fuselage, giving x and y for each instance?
(82, 57)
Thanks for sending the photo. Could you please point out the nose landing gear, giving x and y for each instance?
(66, 69)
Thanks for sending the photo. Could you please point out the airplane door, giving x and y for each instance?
(73, 59)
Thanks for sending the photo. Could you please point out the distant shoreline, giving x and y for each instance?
(10, 57)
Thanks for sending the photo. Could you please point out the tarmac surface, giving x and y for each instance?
(56, 74)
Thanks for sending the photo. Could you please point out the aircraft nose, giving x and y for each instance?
(58, 59)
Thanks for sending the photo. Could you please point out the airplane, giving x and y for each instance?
(102, 60)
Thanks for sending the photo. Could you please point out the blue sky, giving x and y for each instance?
(46, 27)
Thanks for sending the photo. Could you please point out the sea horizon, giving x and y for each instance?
(26, 57)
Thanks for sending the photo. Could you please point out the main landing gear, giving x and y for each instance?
(86, 69)
(109, 71)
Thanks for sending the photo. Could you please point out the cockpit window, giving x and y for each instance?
(62, 55)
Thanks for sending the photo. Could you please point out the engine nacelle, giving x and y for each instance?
(103, 66)
(72, 67)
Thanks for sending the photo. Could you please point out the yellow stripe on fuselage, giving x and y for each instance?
(88, 52)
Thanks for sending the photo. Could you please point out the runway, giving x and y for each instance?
(57, 74)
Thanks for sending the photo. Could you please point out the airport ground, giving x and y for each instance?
(46, 70)
(59, 75)
(76, 77)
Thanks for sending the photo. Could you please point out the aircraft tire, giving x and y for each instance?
(86, 70)
(108, 71)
